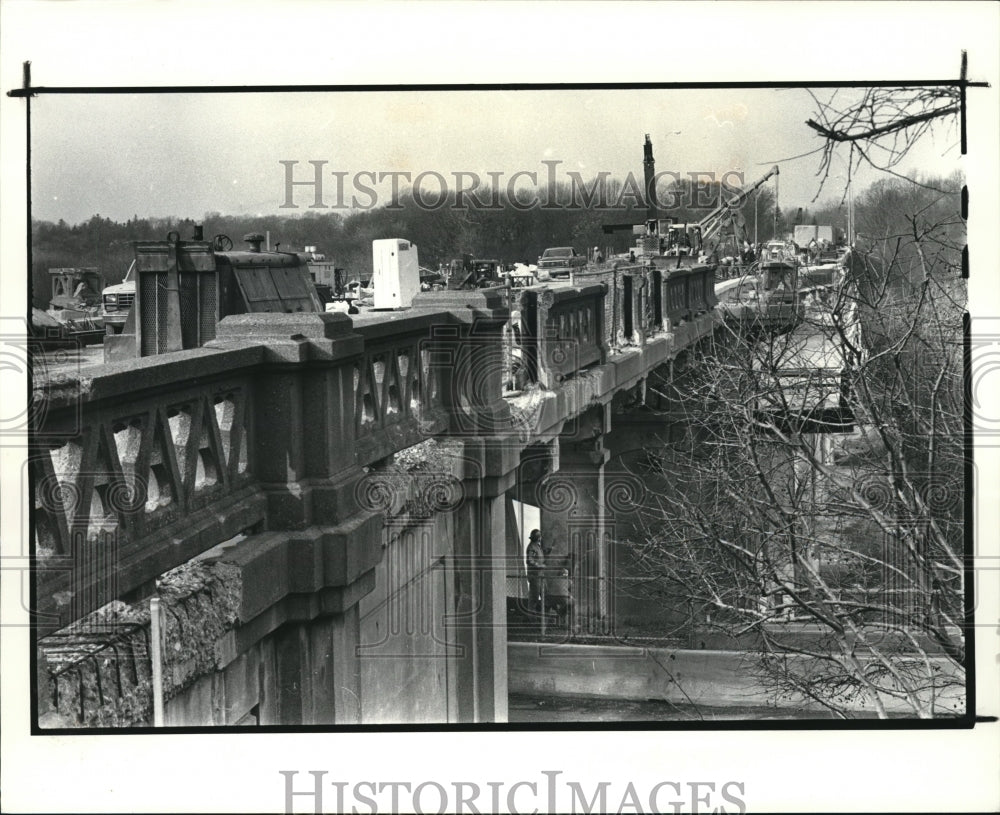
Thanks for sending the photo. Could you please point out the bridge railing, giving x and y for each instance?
(138, 471)
(562, 330)
(398, 390)
(140, 466)
(608, 308)
(686, 292)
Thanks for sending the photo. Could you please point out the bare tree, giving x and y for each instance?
(814, 508)
(881, 125)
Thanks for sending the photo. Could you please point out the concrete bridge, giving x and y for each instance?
(322, 503)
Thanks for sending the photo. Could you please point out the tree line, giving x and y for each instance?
(505, 230)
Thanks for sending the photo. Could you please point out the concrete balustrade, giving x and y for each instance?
(275, 434)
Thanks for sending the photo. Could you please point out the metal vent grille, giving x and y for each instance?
(162, 313)
(209, 310)
(149, 284)
(198, 307)
(189, 309)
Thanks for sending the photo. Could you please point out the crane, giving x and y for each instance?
(690, 238)
(730, 210)
(663, 236)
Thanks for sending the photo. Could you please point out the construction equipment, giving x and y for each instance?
(468, 272)
(395, 273)
(330, 280)
(729, 214)
(665, 236)
(765, 298)
(76, 302)
(805, 234)
(184, 288)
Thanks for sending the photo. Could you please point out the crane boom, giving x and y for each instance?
(711, 223)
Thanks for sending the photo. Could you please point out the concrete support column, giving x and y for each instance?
(307, 672)
(346, 674)
(485, 451)
(492, 632)
(479, 590)
(291, 673)
(574, 524)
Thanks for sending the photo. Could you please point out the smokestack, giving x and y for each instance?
(649, 173)
(255, 239)
(199, 234)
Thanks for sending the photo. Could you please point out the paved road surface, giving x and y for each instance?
(66, 361)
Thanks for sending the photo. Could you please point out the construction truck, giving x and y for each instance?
(805, 234)
(330, 280)
(116, 302)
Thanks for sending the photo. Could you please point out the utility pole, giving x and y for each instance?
(756, 200)
(774, 229)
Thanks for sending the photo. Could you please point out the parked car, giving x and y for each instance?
(560, 262)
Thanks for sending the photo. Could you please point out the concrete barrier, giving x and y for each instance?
(688, 677)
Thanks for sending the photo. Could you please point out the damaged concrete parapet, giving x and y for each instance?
(468, 358)
(96, 672)
(470, 306)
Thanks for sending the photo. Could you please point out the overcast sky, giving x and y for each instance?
(188, 154)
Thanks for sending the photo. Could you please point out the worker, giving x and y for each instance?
(558, 594)
(535, 561)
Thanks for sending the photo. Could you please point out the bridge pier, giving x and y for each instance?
(573, 518)
(479, 568)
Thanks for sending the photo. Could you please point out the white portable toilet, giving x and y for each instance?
(395, 273)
